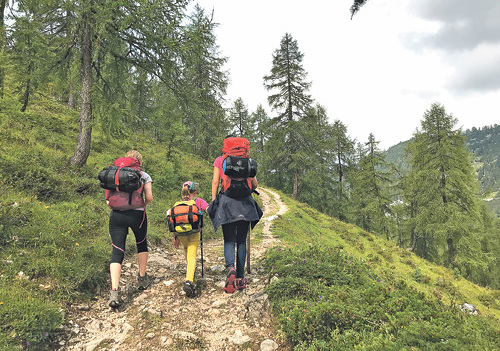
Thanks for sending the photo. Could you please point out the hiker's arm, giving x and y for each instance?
(215, 183)
(148, 192)
(255, 184)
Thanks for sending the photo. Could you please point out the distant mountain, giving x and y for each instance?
(484, 143)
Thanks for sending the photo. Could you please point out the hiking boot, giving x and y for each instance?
(230, 286)
(115, 299)
(241, 283)
(143, 282)
(189, 289)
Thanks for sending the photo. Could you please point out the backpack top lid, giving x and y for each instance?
(236, 146)
(128, 162)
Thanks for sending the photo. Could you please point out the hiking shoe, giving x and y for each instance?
(241, 283)
(115, 299)
(143, 282)
(189, 289)
(230, 286)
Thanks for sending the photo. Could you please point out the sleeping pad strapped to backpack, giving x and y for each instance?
(237, 167)
(185, 218)
(124, 184)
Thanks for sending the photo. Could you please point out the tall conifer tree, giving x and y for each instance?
(290, 100)
(204, 84)
(239, 118)
(342, 154)
(445, 188)
(371, 196)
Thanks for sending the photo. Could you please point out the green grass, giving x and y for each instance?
(54, 229)
(328, 300)
(342, 288)
(54, 220)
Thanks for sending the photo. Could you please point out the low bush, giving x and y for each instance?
(327, 300)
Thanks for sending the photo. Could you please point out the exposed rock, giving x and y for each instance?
(268, 345)
(468, 308)
(258, 307)
(218, 268)
(239, 339)
(184, 336)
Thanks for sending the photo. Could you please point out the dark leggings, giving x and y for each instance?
(119, 222)
(235, 237)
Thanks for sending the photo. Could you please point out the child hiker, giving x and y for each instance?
(188, 234)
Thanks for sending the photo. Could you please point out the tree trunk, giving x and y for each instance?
(82, 151)
(295, 185)
(451, 251)
(26, 95)
(3, 42)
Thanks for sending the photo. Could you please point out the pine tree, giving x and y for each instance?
(290, 100)
(239, 118)
(3, 45)
(204, 84)
(371, 196)
(443, 189)
(109, 40)
(342, 153)
(259, 121)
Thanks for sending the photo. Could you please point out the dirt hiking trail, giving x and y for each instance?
(163, 318)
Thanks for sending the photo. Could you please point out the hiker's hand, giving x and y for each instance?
(176, 243)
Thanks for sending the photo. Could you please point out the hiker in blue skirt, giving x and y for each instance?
(235, 210)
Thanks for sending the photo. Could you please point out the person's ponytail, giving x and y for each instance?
(185, 193)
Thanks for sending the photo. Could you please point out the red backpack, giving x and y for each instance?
(124, 184)
(237, 168)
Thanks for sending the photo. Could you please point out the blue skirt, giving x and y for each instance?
(225, 209)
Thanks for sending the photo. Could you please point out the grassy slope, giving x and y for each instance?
(53, 219)
(303, 225)
(53, 224)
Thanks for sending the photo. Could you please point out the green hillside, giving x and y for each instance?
(329, 263)
(54, 240)
(54, 249)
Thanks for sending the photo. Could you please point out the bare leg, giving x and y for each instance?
(115, 270)
(143, 260)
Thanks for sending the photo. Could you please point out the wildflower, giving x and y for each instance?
(1, 303)
(378, 280)
(77, 244)
(47, 206)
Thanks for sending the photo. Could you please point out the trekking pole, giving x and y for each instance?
(201, 247)
(248, 248)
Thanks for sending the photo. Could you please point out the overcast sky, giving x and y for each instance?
(379, 72)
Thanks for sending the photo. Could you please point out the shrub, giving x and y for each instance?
(326, 300)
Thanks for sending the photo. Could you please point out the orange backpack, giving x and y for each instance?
(185, 218)
(237, 168)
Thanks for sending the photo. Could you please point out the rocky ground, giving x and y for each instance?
(163, 318)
